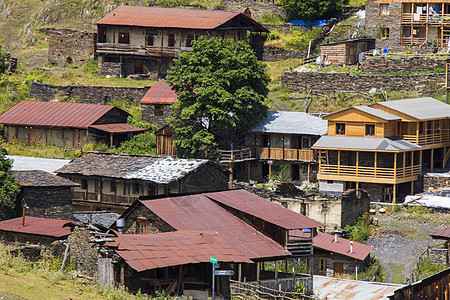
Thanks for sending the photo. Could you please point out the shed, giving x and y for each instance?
(345, 52)
(156, 103)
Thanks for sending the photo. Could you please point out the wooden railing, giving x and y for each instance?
(369, 172)
(103, 198)
(109, 48)
(428, 139)
(425, 18)
(271, 289)
(414, 40)
(238, 155)
(286, 154)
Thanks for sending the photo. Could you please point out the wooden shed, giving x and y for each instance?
(345, 52)
(164, 141)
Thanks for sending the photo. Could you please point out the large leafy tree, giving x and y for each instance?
(221, 87)
(312, 9)
(9, 188)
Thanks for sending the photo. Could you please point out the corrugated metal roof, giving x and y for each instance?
(364, 143)
(150, 251)
(326, 242)
(160, 93)
(41, 178)
(36, 163)
(36, 226)
(441, 234)
(336, 289)
(54, 114)
(264, 209)
(117, 128)
(158, 17)
(198, 212)
(419, 108)
(377, 113)
(291, 122)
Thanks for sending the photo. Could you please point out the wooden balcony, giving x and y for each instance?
(140, 50)
(426, 18)
(237, 155)
(103, 198)
(368, 174)
(286, 154)
(428, 139)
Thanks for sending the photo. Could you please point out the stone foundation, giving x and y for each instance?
(435, 180)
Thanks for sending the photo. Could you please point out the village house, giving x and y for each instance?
(345, 52)
(156, 103)
(144, 40)
(383, 148)
(114, 180)
(408, 23)
(66, 124)
(44, 195)
(444, 235)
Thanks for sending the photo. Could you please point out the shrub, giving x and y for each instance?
(361, 230)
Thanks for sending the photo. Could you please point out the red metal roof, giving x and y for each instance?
(117, 128)
(326, 242)
(36, 226)
(441, 234)
(158, 17)
(264, 209)
(54, 114)
(150, 251)
(198, 212)
(160, 93)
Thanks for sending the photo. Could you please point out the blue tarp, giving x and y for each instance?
(308, 23)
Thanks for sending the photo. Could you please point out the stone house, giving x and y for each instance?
(345, 52)
(114, 180)
(66, 124)
(384, 148)
(144, 40)
(44, 195)
(68, 46)
(408, 23)
(441, 254)
(156, 104)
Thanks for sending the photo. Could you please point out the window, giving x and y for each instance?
(340, 128)
(437, 124)
(159, 110)
(384, 9)
(136, 188)
(171, 40)
(149, 38)
(323, 266)
(84, 184)
(112, 187)
(124, 37)
(305, 144)
(65, 134)
(102, 35)
(189, 39)
(330, 181)
(143, 227)
(383, 32)
(421, 128)
(429, 127)
(370, 129)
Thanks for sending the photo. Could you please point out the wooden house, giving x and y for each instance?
(66, 124)
(114, 180)
(145, 40)
(383, 148)
(345, 52)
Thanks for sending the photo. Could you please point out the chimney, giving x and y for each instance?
(351, 246)
(335, 237)
(23, 217)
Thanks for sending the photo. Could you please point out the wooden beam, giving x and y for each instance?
(375, 165)
(394, 190)
(357, 162)
(431, 160)
(309, 170)
(339, 162)
(395, 165)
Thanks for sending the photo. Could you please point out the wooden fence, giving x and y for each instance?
(266, 289)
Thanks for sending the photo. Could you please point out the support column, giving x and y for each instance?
(394, 194)
(357, 162)
(230, 179)
(276, 272)
(309, 170)
(431, 160)
(239, 272)
(375, 165)
(258, 270)
(412, 187)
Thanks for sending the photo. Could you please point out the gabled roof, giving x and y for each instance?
(158, 169)
(441, 234)
(364, 143)
(38, 178)
(36, 163)
(369, 110)
(158, 17)
(36, 226)
(54, 114)
(266, 210)
(291, 122)
(198, 212)
(160, 93)
(419, 108)
(150, 251)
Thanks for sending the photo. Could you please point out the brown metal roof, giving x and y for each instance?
(158, 17)
(160, 93)
(264, 209)
(54, 114)
(441, 234)
(326, 242)
(198, 212)
(117, 128)
(150, 251)
(41, 178)
(36, 226)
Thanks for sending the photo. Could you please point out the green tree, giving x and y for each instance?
(221, 86)
(312, 9)
(9, 188)
(143, 143)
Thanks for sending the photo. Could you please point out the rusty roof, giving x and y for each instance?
(160, 93)
(150, 251)
(441, 234)
(54, 114)
(36, 226)
(117, 128)
(198, 212)
(41, 178)
(326, 242)
(264, 209)
(158, 17)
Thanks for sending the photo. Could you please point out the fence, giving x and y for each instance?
(266, 289)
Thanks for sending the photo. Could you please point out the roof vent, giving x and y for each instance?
(351, 246)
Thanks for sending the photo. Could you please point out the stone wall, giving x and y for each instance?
(157, 225)
(389, 65)
(206, 178)
(438, 256)
(86, 94)
(152, 67)
(257, 8)
(148, 114)
(300, 82)
(278, 54)
(435, 181)
(71, 46)
(84, 250)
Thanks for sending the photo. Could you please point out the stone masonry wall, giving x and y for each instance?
(374, 19)
(388, 65)
(278, 54)
(257, 8)
(142, 213)
(435, 182)
(67, 46)
(299, 82)
(148, 114)
(86, 94)
(207, 178)
(84, 250)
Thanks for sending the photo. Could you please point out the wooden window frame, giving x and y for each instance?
(384, 32)
(124, 36)
(159, 110)
(384, 12)
(84, 184)
(136, 188)
(143, 226)
(369, 130)
(340, 128)
(113, 187)
(150, 36)
(65, 134)
(171, 41)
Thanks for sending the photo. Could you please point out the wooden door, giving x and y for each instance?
(338, 269)
(105, 271)
(138, 66)
(32, 135)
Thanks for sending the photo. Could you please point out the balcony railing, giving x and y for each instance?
(428, 139)
(425, 18)
(369, 172)
(103, 198)
(414, 40)
(238, 155)
(142, 50)
(286, 154)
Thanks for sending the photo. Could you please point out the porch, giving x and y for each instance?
(266, 153)
(139, 50)
(103, 198)
(428, 139)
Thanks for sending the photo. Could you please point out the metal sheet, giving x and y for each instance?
(443, 234)
(160, 93)
(36, 226)
(117, 128)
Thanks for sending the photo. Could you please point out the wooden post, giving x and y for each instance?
(258, 270)
(420, 160)
(412, 187)
(339, 162)
(270, 171)
(395, 166)
(230, 180)
(375, 165)
(309, 169)
(432, 160)
(417, 133)
(357, 162)
(282, 143)
(404, 164)
(111, 140)
(394, 196)
(248, 170)
(276, 272)
(239, 272)
(357, 185)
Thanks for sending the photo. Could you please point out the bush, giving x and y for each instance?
(144, 143)
(361, 230)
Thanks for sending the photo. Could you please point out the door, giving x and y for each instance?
(351, 55)
(105, 271)
(265, 170)
(295, 169)
(338, 269)
(138, 66)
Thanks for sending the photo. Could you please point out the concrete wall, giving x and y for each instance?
(67, 46)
